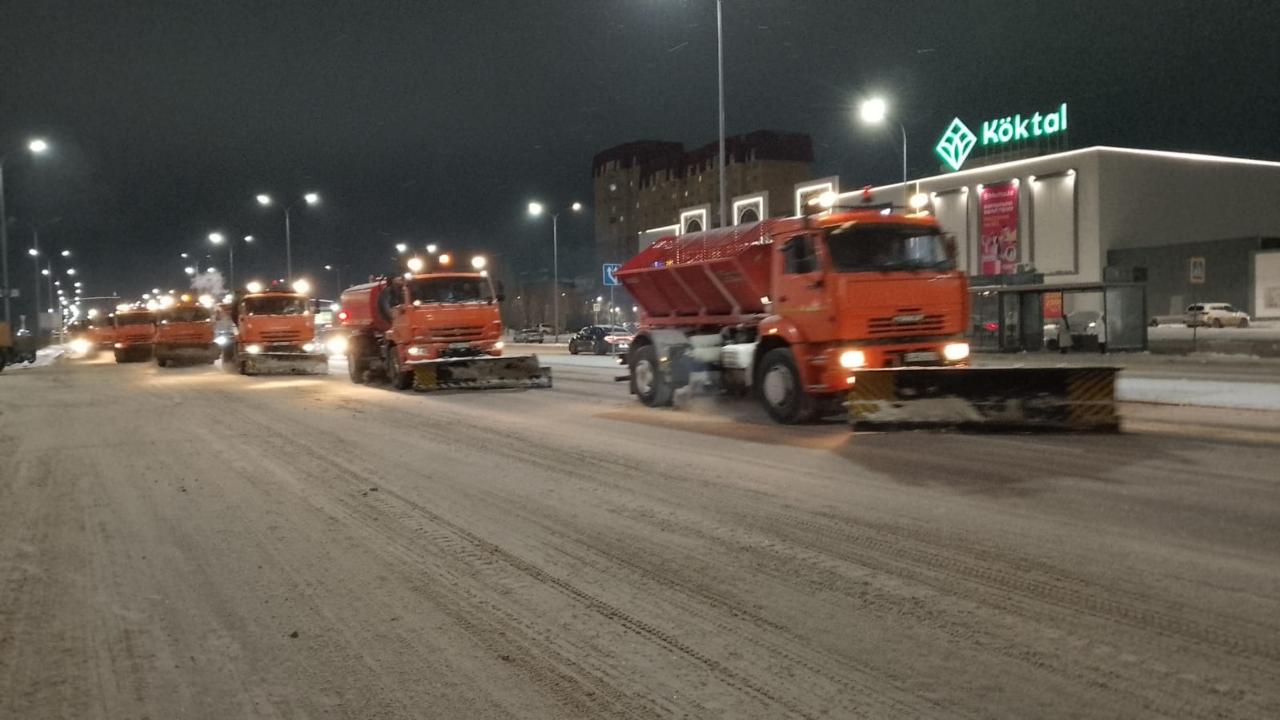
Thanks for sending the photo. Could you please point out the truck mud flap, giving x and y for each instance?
(985, 399)
(480, 373)
(285, 364)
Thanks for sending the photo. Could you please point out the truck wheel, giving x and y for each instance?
(400, 380)
(161, 362)
(357, 366)
(119, 357)
(781, 390)
(647, 382)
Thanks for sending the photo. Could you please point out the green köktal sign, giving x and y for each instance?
(958, 141)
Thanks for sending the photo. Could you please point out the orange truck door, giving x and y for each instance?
(802, 295)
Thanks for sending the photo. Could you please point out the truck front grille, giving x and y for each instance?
(282, 336)
(458, 334)
(904, 322)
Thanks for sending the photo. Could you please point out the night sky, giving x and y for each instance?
(438, 121)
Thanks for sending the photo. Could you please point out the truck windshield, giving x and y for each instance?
(186, 315)
(136, 319)
(884, 248)
(275, 306)
(424, 291)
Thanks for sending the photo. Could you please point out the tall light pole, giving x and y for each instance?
(218, 238)
(265, 200)
(537, 209)
(36, 146)
(337, 277)
(724, 202)
(874, 111)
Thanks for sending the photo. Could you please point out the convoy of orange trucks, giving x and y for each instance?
(432, 329)
(275, 332)
(846, 308)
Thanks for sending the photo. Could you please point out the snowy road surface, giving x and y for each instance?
(189, 544)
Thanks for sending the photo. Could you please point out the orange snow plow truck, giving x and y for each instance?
(432, 331)
(856, 309)
(184, 334)
(275, 333)
(134, 334)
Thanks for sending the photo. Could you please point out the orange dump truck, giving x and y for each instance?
(134, 334)
(184, 335)
(857, 309)
(432, 331)
(275, 333)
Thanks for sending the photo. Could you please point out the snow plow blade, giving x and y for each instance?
(286, 364)
(995, 399)
(480, 373)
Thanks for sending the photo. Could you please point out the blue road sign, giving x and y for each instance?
(611, 274)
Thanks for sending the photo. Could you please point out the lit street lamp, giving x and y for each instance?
(874, 111)
(266, 200)
(337, 277)
(537, 209)
(36, 146)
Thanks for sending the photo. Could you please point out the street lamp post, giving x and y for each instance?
(724, 206)
(37, 147)
(874, 111)
(536, 209)
(266, 200)
(337, 276)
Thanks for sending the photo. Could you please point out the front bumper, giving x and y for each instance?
(184, 351)
(829, 376)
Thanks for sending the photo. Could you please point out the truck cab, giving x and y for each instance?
(134, 335)
(274, 332)
(184, 334)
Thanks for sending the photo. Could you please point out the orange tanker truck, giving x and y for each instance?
(858, 308)
(432, 329)
(134, 334)
(184, 333)
(275, 333)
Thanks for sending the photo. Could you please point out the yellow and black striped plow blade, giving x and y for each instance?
(996, 399)
(480, 373)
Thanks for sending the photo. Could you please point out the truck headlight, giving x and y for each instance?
(80, 346)
(955, 352)
(253, 349)
(499, 345)
(309, 347)
(416, 351)
(851, 359)
(221, 340)
(337, 345)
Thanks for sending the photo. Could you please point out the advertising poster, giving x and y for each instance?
(999, 229)
(1052, 305)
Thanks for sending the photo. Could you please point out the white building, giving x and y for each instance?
(1104, 213)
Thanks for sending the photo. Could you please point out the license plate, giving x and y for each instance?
(916, 357)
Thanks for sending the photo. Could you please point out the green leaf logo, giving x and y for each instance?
(956, 144)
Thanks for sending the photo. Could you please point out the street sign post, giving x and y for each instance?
(610, 272)
(1197, 271)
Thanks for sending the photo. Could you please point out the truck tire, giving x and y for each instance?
(400, 380)
(781, 390)
(647, 382)
(161, 362)
(119, 357)
(357, 366)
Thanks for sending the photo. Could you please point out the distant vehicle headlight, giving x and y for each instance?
(850, 359)
(337, 345)
(221, 340)
(80, 346)
(253, 349)
(955, 352)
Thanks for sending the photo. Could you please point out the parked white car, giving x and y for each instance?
(1215, 315)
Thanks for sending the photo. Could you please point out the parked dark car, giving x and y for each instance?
(601, 340)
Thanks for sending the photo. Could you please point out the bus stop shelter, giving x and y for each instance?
(1028, 317)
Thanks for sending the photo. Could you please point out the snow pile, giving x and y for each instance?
(1202, 393)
